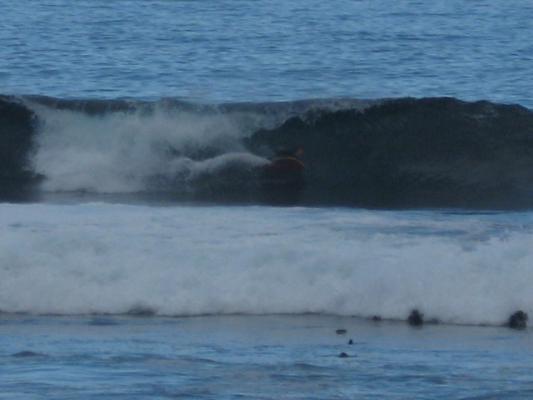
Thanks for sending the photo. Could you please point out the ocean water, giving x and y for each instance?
(256, 51)
(251, 357)
(144, 255)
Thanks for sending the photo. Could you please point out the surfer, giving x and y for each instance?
(286, 168)
(282, 179)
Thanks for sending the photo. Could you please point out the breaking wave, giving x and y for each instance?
(389, 153)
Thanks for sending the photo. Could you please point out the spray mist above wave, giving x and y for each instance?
(388, 153)
(135, 151)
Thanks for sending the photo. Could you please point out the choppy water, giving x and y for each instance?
(110, 289)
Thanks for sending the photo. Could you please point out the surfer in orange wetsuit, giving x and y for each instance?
(286, 168)
(289, 160)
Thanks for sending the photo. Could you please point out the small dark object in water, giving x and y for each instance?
(376, 318)
(518, 320)
(350, 341)
(416, 318)
(341, 331)
(343, 355)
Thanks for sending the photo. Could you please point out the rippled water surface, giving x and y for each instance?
(276, 50)
(272, 357)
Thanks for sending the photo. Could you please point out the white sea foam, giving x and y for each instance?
(123, 152)
(195, 260)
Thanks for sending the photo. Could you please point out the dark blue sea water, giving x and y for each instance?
(111, 286)
(276, 50)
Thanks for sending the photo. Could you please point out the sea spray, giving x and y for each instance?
(136, 151)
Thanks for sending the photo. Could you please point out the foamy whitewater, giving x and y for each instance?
(120, 152)
(177, 261)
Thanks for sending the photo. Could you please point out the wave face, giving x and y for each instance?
(389, 153)
(103, 258)
(428, 152)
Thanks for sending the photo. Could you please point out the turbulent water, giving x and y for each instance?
(147, 248)
(118, 259)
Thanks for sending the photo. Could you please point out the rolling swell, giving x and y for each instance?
(431, 152)
(414, 153)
